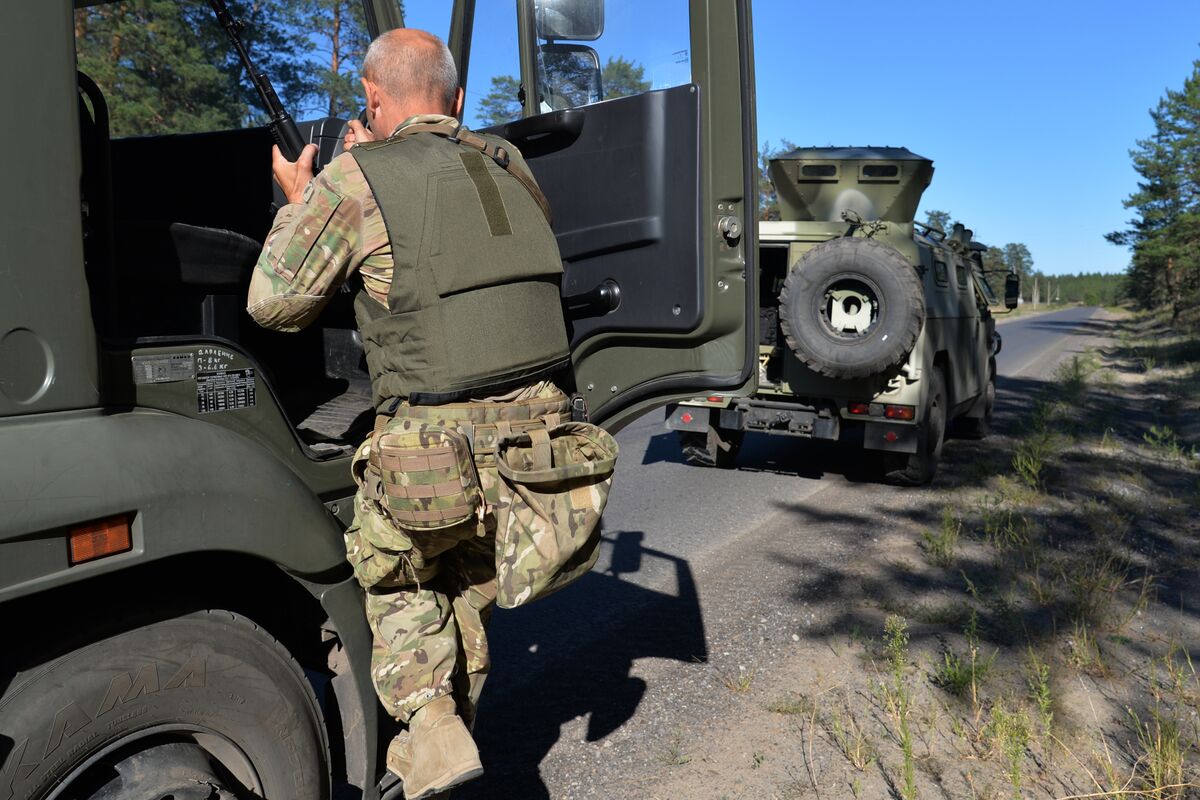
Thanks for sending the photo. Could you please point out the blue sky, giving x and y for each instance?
(1028, 109)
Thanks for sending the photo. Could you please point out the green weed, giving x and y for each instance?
(898, 698)
(1083, 650)
(1008, 732)
(1072, 377)
(851, 739)
(940, 546)
(1029, 460)
(1160, 765)
(962, 676)
(673, 755)
(1165, 443)
(791, 705)
(1038, 680)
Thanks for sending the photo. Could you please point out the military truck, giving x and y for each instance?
(175, 482)
(874, 330)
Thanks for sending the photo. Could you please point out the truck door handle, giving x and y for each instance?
(597, 302)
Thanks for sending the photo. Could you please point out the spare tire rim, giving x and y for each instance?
(849, 308)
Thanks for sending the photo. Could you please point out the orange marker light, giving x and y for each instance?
(102, 537)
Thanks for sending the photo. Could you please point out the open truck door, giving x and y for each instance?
(649, 166)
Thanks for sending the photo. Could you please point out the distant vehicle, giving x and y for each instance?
(874, 330)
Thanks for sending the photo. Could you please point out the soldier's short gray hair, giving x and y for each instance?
(407, 61)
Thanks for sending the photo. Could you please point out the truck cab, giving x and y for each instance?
(177, 480)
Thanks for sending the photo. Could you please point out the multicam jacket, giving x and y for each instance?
(315, 246)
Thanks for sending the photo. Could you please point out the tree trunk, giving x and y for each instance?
(335, 55)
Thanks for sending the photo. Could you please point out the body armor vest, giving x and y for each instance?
(474, 306)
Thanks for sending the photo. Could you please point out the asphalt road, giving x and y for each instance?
(566, 667)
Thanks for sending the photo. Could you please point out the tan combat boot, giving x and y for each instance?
(399, 755)
(442, 752)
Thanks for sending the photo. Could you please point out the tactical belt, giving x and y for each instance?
(455, 132)
(441, 399)
(483, 422)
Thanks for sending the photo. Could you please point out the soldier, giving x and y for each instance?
(461, 325)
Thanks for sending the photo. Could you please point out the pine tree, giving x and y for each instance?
(622, 77)
(1165, 233)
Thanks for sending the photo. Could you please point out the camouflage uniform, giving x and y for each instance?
(428, 594)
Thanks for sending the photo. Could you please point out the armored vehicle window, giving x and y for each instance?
(880, 171)
(643, 46)
(986, 289)
(960, 274)
(818, 171)
(940, 276)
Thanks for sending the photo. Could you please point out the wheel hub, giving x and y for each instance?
(851, 309)
(163, 766)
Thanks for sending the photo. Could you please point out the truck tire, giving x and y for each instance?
(919, 468)
(852, 308)
(717, 448)
(197, 707)
(980, 427)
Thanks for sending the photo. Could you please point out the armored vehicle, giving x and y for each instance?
(179, 618)
(874, 330)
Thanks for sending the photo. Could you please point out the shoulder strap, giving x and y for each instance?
(460, 135)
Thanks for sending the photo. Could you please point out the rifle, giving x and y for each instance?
(282, 126)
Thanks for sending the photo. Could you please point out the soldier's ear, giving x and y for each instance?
(459, 96)
(371, 90)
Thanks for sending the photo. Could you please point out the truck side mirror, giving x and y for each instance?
(581, 20)
(570, 76)
(1012, 290)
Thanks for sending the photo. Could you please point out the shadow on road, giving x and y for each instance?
(570, 656)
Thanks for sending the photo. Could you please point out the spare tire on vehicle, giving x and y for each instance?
(852, 308)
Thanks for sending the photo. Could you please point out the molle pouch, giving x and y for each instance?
(553, 489)
(427, 477)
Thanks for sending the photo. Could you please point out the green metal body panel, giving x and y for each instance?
(47, 346)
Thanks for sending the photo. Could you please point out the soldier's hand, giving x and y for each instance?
(293, 176)
(357, 134)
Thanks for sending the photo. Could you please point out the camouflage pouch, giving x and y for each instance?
(427, 477)
(554, 484)
(372, 560)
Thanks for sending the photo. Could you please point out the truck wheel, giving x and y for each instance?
(852, 308)
(717, 448)
(206, 706)
(980, 427)
(918, 469)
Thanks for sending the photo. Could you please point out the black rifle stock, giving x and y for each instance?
(282, 126)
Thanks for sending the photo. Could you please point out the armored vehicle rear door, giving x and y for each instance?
(648, 163)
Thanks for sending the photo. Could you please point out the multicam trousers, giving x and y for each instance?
(429, 593)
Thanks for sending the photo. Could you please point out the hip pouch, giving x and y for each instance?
(554, 484)
(427, 477)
